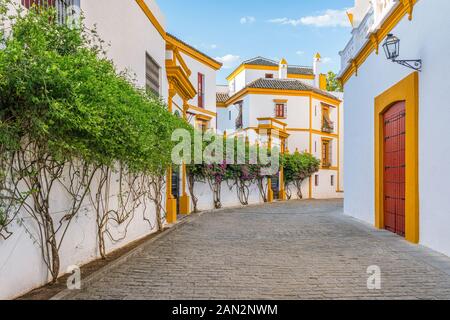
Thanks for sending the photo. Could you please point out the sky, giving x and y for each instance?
(233, 31)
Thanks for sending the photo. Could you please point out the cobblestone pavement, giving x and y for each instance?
(291, 250)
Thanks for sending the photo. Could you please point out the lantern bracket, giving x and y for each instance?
(413, 64)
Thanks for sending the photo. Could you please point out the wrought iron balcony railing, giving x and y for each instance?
(327, 126)
(67, 10)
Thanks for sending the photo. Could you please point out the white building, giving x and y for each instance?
(397, 120)
(162, 63)
(185, 78)
(263, 96)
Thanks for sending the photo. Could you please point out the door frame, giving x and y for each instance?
(406, 90)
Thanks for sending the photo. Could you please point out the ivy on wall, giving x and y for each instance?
(67, 116)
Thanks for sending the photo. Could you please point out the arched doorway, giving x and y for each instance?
(397, 129)
(394, 130)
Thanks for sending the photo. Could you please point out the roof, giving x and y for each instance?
(222, 97)
(300, 70)
(288, 85)
(187, 48)
(261, 61)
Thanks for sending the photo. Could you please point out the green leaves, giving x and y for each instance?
(333, 83)
(57, 91)
(299, 166)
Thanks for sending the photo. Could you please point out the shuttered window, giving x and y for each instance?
(201, 90)
(326, 153)
(280, 110)
(152, 74)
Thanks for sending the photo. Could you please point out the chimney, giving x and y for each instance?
(316, 69)
(283, 69)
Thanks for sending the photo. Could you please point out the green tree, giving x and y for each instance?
(333, 84)
(297, 168)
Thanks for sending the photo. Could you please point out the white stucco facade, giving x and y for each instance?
(421, 38)
(131, 30)
(303, 116)
(129, 35)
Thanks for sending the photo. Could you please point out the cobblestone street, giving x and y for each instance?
(291, 250)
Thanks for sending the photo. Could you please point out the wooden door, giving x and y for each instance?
(394, 168)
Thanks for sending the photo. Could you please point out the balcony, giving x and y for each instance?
(68, 11)
(327, 125)
(361, 34)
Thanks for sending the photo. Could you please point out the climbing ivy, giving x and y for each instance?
(66, 113)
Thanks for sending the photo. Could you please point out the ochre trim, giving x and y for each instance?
(151, 17)
(243, 67)
(238, 96)
(315, 132)
(179, 81)
(301, 76)
(280, 100)
(201, 110)
(406, 90)
(193, 53)
(405, 7)
(203, 117)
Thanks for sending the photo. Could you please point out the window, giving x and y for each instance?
(229, 115)
(240, 117)
(269, 75)
(280, 110)
(327, 124)
(152, 72)
(201, 90)
(326, 153)
(332, 180)
(315, 146)
(316, 178)
(65, 9)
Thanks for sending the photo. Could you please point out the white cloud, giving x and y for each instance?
(213, 46)
(300, 53)
(229, 61)
(330, 18)
(247, 19)
(326, 60)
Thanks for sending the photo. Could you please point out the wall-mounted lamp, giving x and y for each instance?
(391, 47)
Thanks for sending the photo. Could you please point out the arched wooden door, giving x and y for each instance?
(394, 168)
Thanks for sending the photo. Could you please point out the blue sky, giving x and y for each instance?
(236, 30)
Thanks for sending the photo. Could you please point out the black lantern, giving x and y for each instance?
(391, 48)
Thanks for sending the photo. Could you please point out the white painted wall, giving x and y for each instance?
(262, 106)
(197, 67)
(420, 38)
(130, 34)
(21, 264)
